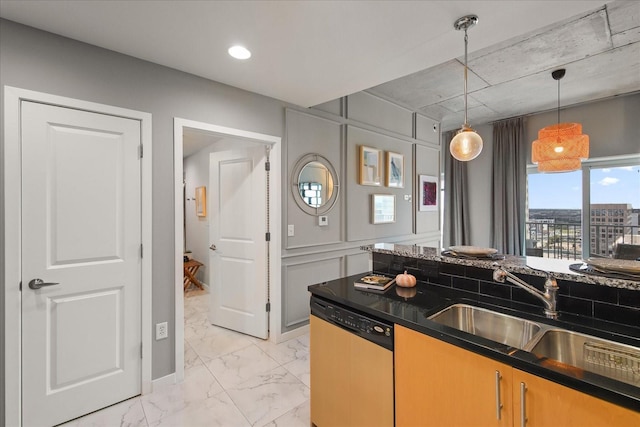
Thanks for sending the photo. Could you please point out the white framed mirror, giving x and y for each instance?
(314, 184)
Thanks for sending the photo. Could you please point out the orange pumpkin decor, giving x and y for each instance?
(406, 280)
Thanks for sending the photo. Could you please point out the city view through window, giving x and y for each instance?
(555, 217)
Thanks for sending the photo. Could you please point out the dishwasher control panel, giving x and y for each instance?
(362, 325)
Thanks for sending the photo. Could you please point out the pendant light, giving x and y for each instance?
(467, 144)
(560, 147)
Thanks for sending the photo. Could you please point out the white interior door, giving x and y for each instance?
(81, 232)
(238, 273)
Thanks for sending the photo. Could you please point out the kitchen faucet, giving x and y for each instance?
(548, 297)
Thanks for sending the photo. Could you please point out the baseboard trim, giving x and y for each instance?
(163, 381)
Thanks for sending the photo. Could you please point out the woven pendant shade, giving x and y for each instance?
(562, 144)
(560, 147)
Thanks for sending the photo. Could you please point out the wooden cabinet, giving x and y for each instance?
(351, 379)
(439, 384)
(550, 404)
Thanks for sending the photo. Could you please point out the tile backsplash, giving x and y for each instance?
(597, 301)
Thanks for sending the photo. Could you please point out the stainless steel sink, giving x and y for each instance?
(554, 347)
(607, 358)
(502, 328)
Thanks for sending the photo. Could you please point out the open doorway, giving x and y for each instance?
(203, 139)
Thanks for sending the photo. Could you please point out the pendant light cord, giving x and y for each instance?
(558, 101)
(466, 40)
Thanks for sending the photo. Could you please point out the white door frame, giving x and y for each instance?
(275, 208)
(12, 243)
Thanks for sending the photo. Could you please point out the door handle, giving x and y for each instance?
(213, 247)
(39, 283)
(523, 407)
(498, 398)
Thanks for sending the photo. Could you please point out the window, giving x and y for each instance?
(602, 199)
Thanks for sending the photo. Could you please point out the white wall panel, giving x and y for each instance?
(427, 129)
(299, 275)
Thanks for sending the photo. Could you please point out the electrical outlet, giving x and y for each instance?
(162, 331)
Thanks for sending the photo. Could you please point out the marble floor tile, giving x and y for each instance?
(266, 397)
(218, 343)
(198, 317)
(300, 368)
(198, 385)
(234, 368)
(304, 340)
(217, 410)
(299, 416)
(124, 414)
(191, 358)
(284, 352)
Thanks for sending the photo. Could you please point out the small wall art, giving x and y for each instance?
(428, 193)
(201, 201)
(370, 166)
(383, 208)
(395, 170)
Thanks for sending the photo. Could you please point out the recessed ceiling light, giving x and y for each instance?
(239, 52)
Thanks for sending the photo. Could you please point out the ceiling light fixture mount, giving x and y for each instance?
(467, 144)
(560, 147)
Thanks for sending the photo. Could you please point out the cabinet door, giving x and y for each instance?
(438, 384)
(550, 404)
(351, 379)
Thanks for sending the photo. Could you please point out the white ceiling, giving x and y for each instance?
(310, 52)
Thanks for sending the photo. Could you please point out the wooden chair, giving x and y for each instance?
(191, 267)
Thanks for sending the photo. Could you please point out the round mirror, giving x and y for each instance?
(314, 184)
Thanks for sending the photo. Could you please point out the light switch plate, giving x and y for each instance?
(323, 220)
(291, 231)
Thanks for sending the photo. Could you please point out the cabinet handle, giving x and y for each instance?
(523, 410)
(498, 399)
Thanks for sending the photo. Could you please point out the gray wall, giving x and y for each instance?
(336, 130)
(40, 61)
(613, 128)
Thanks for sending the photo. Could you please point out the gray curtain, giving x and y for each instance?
(509, 186)
(456, 201)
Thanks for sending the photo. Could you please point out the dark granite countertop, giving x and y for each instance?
(534, 266)
(413, 312)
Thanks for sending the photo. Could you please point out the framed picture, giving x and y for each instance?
(428, 193)
(395, 170)
(370, 166)
(201, 201)
(383, 208)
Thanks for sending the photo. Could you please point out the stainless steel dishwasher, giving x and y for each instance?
(351, 367)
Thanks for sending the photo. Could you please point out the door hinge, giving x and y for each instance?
(267, 166)
(140, 151)
(267, 237)
(268, 307)
(20, 287)
(141, 251)
(140, 350)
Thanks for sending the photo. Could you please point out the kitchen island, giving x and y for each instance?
(420, 341)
